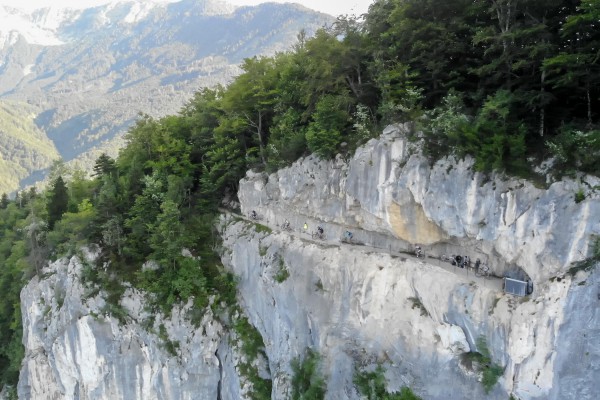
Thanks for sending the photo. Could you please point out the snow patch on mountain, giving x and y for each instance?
(43, 26)
(28, 68)
(17, 24)
(52, 18)
(137, 12)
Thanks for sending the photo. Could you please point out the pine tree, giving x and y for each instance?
(104, 166)
(58, 201)
(4, 201)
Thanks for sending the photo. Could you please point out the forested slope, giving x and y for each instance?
(24, 147)
(89, 72)
(509, 83)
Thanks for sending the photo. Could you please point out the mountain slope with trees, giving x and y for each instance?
(102, 66)
(487, 80)
(24, 148)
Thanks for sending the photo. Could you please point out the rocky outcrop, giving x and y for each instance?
(356, 305)
(74, 350)
(388, 188)
(358, 302)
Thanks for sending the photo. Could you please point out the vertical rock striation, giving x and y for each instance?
(357, 305)
(75, 351)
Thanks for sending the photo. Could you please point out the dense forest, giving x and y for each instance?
(508, 82)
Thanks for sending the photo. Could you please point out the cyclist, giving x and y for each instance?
(418, 251)
(320, 232)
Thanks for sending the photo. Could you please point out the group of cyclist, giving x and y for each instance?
(319, 233)
(464, 261)
(457, 260)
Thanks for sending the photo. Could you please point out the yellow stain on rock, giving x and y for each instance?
(410, 223)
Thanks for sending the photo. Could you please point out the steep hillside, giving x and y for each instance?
(91, 72)
(24, 148)
(371, 300)
(446, 332)
(384, 298)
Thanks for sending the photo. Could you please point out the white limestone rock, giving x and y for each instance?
(391, 198)
(74, 351)
(356, 304)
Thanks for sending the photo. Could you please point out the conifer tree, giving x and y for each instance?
(58, 201)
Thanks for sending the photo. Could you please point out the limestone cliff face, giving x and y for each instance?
(359, 304)
(75, 351)
(356, 304)
(385, 188)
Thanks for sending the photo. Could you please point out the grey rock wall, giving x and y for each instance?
(75, 351)
(391, 198)
(578, 352)
(355, 304)
(387, 187)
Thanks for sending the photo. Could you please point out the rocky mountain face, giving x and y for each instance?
(90, 72)
(75, 351)
(357, 303)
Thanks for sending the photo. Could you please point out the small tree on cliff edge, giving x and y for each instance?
(58, 201)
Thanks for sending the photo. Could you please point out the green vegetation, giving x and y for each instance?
(260, 228)
(17, 235)
(282, 272)
(25, 148)
(492, 78)
(252, 346)
(579, 196)
(262, 250)
(372, 385)
(319, 286)
(171, 346)
(416, 303)
(591, 261)
(494, 304)
(308, 382)
(481, 362)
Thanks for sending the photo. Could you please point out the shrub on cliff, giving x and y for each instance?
(482, 363)
(372, 385)
(308, 382)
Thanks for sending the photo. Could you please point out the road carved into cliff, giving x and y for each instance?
(467, 274)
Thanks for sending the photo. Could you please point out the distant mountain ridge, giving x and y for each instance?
(88, 73)
(43, 26)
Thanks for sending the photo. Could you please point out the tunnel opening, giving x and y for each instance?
(517, 281)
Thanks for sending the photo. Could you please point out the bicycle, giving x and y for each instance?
(286, 226)
(347, 237)
(482, 270)
(318, 235)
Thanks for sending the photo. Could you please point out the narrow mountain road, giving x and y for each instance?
(468, 275)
